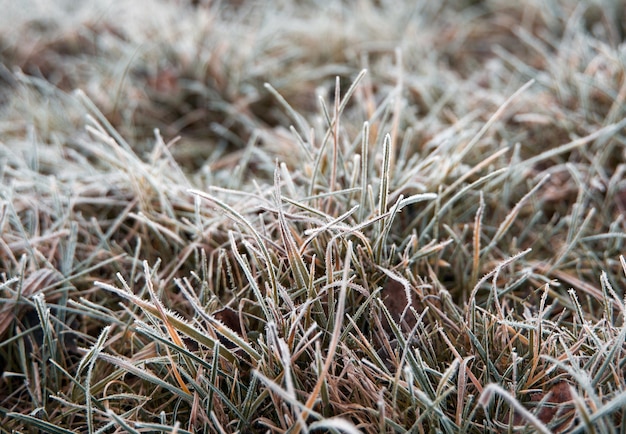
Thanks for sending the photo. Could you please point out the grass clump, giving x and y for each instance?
(294, 217)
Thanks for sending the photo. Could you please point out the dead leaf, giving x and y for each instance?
(559, 394)
(230, 318)
(556, 404)
(395, 300)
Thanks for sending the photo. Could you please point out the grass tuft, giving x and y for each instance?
(290, 217)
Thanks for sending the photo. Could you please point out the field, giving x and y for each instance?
(312, 216)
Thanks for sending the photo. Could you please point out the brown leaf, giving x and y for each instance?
(559, 394)
(230, 318)
(556, 406)
(165, 81)
(395, 300)
(620, 200)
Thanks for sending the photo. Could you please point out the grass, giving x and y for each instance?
(295, 217)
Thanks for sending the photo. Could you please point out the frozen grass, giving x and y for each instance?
(430, 242)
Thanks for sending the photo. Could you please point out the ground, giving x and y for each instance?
(293, 216)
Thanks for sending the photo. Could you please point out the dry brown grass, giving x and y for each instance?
(312, 216)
